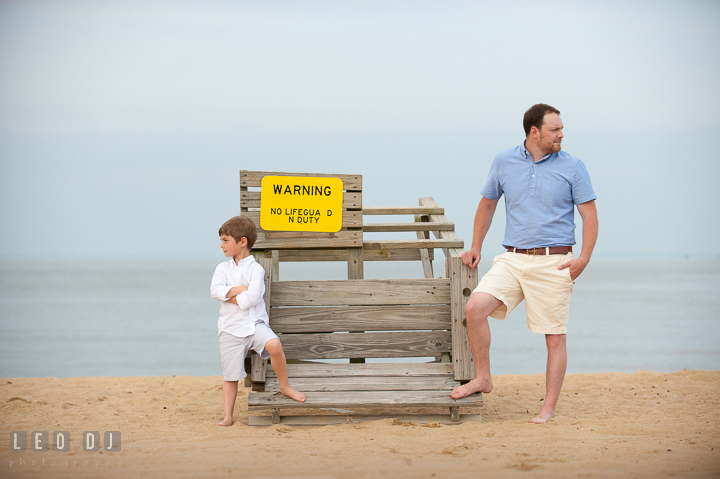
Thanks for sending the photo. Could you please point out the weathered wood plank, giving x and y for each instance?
(309, 236)
(352, 200)
(393, 227)
(403, 210)
(351, 218)
(254, 178)
(369, 254)
(351, 399)
(440, 234)
(326, 420)
(298, 239)
(406, 244)
(463, 280)
(417, 383)
(360, 292)
(366, 345)
(330, 319)
(369, 369)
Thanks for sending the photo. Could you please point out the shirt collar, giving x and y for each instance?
(526, 154)
(242, 262)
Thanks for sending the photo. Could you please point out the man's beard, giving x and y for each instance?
(551, 148)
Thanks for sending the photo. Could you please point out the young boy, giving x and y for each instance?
(244, 324)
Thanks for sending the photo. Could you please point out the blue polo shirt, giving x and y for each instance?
(539, 197)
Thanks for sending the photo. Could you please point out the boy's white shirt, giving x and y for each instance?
(239, 320)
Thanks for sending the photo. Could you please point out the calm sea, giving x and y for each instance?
(156, 318)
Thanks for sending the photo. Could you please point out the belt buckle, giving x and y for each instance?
(534, 251)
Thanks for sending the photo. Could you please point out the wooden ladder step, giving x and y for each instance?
(364, 383)
(326, 420)
(365, 399)
(368, 369)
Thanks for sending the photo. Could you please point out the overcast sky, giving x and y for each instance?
(123, 124)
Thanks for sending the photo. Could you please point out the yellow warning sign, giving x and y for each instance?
(301, 203)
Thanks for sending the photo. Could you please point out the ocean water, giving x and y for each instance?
(110, 318)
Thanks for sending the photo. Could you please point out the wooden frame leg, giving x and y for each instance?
(248, 371)
(276, 416)
(455, 414)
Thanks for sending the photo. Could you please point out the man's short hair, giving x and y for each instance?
(536, 115)
(240, 227)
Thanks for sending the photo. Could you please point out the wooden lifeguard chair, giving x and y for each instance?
(362, 318)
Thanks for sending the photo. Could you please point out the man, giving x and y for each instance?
(541, 184)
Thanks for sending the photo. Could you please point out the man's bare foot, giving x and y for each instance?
(226, 422)
(293, 394)
(477, 385)
(542, 418)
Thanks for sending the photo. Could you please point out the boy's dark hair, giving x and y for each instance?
(239, 227)
(536, 115)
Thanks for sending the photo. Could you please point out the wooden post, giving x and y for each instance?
(355, 263)
(356, 271)
(243, 209)
(275, 255)
(276, 415)
(424, 254)
(462, 282)
(248, 361)
(259, 365)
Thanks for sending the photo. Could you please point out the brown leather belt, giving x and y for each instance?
(543, 251)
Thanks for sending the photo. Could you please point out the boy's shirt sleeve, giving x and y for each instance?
(219, 286)
(256, 289)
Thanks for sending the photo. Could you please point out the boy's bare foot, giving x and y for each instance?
(226, 422)
(293, 394)
(477, 385)
(542, 418)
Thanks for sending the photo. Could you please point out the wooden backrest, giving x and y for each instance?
(401, 318)
(348, 237)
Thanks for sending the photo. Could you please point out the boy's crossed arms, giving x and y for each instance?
(234, 291)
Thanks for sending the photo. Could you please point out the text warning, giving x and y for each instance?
(301, 203)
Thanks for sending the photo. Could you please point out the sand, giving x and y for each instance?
(642, 424)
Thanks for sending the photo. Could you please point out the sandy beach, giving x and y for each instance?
(643, 424)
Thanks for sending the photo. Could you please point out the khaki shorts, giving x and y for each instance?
(536, 279)
(233, 350)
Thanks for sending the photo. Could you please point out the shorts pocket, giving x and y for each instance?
(566, 271)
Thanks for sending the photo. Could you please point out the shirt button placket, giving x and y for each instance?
(532, 180)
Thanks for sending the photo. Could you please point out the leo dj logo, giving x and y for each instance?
(40, 441)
